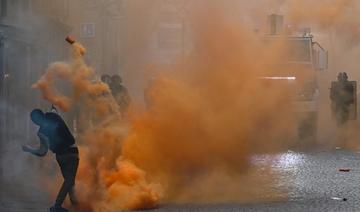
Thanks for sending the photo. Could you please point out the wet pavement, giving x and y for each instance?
(313, 181)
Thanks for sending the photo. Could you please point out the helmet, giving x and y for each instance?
(342, 76)
(345, 76)
(105, 78)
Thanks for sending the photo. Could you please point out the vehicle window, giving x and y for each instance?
(298, 50)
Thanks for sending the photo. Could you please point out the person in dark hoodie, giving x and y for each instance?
(55, 135)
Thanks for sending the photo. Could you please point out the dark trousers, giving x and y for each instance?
(68, 163)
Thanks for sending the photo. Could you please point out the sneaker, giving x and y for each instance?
(58, 209)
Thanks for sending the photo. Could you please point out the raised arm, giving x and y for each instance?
(42, 150)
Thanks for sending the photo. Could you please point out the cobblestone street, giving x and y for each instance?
(313, 179)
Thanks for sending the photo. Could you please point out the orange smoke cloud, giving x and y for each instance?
(110, 182)
(212, 114)
(207, 118)
(327, 13)
(334, 16)
(46, 85)
(105, 178)
(127, 188)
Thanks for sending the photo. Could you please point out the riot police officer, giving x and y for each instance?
(342, 95)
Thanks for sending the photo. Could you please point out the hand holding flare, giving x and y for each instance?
(72, 41)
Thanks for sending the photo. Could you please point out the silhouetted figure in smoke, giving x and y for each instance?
(105, 78)
(118, 91)
(55, 135)
(342, 95)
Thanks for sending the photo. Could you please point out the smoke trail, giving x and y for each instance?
(46, 83)
(105, 178)
(80, 77)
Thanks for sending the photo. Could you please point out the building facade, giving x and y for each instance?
(98, 26)
(31, 35)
